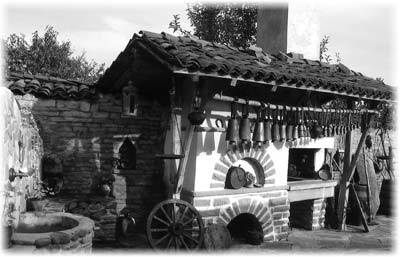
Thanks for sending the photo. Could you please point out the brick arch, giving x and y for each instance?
(231, 156)
(254, 205)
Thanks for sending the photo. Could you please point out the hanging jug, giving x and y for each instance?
(232, 131)
(258, 133)
(244, 128)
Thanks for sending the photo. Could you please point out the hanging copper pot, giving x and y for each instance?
(282, 125)
(244, 128)
(258, 133)
(289, 128)
(275, 128)
(267, 125)
(232, 131)
(295, 134)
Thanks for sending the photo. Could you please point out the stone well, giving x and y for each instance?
(41, 232)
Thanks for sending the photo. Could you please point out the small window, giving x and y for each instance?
(130, 102)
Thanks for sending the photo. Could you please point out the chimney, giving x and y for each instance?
(294, 29)
(272, 25)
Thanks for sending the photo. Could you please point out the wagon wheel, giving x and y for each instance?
(175, 224)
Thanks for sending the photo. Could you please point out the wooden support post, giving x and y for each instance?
(343, 190)
(348, 172)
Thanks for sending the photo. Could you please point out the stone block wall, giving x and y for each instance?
(86, 136)
(308, 214)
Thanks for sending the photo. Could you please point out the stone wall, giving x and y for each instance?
(86, 136)
(308, 214)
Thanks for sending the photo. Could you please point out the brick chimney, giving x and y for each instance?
(272, 25)
(292, 27)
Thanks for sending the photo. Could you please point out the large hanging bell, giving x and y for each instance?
(244, 128)
(295, 133)
(289, 132)
(258, 133)
(275, 132)
(267, 130)
(232, 131)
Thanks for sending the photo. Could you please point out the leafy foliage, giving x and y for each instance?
(46, 55)
(231, 24)
(323, 51)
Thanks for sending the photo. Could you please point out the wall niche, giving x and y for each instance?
(127, 155)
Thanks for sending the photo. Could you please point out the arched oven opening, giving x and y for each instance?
(245, 228)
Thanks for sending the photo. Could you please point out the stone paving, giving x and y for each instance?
(353, 240)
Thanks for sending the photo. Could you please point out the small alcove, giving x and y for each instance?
(127, 155)
(129, 100)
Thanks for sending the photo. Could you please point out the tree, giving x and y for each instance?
(231, 24)
(323, 51)
(46, 55)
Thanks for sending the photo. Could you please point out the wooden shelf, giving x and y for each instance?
(170, 156)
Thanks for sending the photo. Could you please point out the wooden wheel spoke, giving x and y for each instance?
(166, 214)
(176, 243)
(181, 229)
(190, 237)
(169, 243)
(190, 220)
(161, 220)
(162, 239)
(183, 242)
(191, 229)
(183, 214)
(173, 212)
(159, 229)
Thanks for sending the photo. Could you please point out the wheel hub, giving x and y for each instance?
(176, 229)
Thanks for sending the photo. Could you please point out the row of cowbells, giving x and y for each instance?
(267, 131)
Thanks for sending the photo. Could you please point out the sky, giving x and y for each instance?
(364, 32)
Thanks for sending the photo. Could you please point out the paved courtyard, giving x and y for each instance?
(380, 239)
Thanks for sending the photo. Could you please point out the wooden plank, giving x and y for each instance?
(348, 172)
(358, 204)
(279, 84)
(182, 164)
(343, 190)
(313, 193)
(368, 185)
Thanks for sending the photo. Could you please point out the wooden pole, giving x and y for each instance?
(343, 187)
(348, 172)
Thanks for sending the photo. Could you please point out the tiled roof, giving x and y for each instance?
(193, 55)
(47, 86)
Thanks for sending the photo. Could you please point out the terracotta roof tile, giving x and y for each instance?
(195, 55)
(44, 86)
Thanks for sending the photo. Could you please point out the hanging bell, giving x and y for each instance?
(289, 132)
(295, 133)
(275, 129)
(258, 133)
(267, 126)
(282, 127)
(232, 131)
(244, 128)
